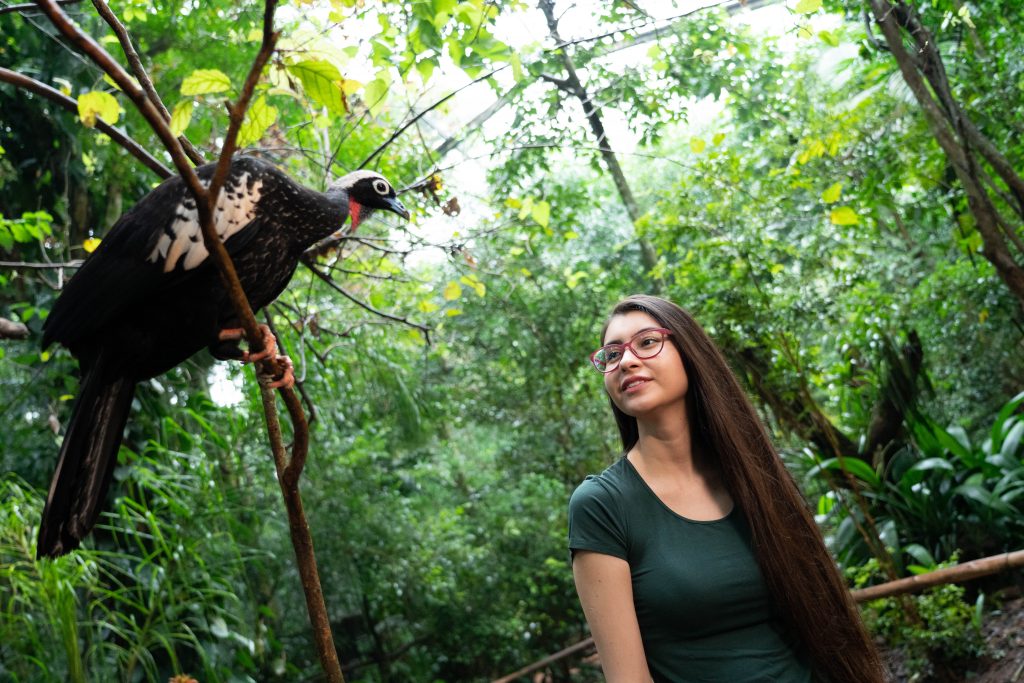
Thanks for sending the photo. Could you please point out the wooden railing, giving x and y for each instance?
(961, 572)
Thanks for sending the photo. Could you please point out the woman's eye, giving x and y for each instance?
(648, 341)
(611, 355)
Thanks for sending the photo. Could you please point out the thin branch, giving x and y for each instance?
(31, 6)
(142, 75)
(40, 266)
(12, 330)
(424, 330)
(423, 113)
(54, 95)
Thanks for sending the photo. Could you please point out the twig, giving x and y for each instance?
(12, 330)
(41, 266)
(424, 330)
(54, 95)
(435, 105)
(30, 5)
(142, 75)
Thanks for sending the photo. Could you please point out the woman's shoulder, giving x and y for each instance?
(611, 485)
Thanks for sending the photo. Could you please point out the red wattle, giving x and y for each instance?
(353, 211)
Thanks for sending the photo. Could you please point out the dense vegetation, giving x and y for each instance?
(772, 170)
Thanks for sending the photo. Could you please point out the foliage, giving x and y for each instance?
(795, 203)
(939, 495)
(947, 635)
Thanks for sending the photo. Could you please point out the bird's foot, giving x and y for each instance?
(238, 333)
(284, 379)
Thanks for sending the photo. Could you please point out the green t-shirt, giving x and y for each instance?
(701, 602)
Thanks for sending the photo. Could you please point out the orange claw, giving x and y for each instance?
(286, 378)
(269, 343)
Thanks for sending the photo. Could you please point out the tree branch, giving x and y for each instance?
(54, 95)
(411, 122)
(142, 75)
(31, 5)
(424, 330)
(12, 330)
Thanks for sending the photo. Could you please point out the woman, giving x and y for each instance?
(694, 555)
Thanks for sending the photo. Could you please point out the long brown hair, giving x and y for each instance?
(806, 588)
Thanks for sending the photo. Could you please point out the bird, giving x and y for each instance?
(149, 297)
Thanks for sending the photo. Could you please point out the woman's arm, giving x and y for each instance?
(606, 593)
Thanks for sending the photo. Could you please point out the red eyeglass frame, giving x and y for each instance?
(629, 345)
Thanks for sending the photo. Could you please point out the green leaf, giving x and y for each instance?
(858, 468)
(219, 627)
(541, 212)
(808, 6)
(829, 38)
(697, 145)
(322, 82)
(257, 120)
(376, 92)
(832, 193)
(98, 104)
(517, 67)
(181, 116)
(844, 215)
(205, 81)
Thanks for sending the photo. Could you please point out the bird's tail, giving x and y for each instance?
(87, 460)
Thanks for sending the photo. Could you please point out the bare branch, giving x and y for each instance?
(30, 6)
(54, 95)
(17, 265)
(142, 75)
(423, 113)
(424, 330)
(12, 330)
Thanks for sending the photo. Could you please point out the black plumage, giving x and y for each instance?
(149, 298)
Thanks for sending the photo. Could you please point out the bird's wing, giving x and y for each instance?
(156, 245)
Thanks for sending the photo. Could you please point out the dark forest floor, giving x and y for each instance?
(1003, 631)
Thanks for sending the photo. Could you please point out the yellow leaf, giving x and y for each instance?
(541, 213)
(844, 215)
(571, 235)
(697, 145)
(181, 116)
(526, 272)
(808, 6)
(98, 103)
(983, 316)
(452, 312)
(90, 245)
(44, 356)
(452, 292)
(472, 281)
(427, 306)
(832, 193)
(205, 81)
(717, 140)
(66, 397)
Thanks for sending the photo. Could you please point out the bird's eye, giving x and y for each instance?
(381, 186)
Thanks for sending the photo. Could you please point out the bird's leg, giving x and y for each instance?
(236, 334)
(228, 349)
(285, 379)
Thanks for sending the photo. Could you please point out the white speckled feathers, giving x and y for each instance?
(182, 240)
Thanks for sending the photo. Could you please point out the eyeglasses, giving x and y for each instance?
(643, 344)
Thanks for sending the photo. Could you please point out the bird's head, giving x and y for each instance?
(368, 191)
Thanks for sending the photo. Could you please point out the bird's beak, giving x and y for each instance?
(395, 206)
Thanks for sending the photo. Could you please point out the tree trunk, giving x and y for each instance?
(572, 85)
(959, 138)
